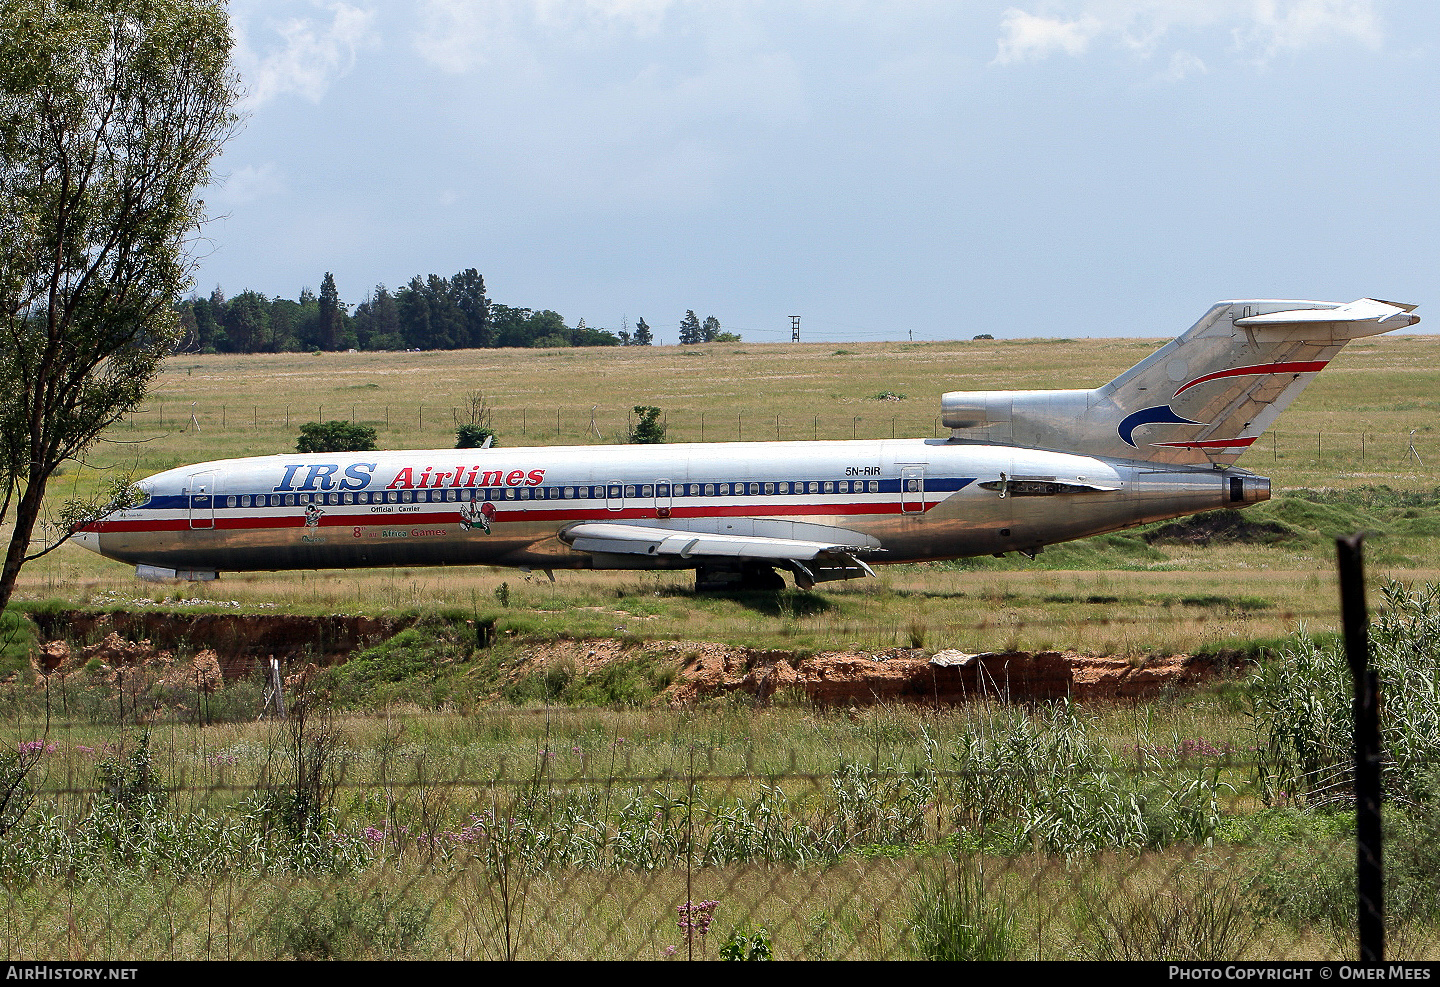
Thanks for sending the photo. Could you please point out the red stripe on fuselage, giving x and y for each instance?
(281, 522)
(1311, 367)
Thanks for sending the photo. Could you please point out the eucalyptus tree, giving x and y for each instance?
(111, 112)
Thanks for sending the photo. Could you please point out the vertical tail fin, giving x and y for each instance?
(1204, 397)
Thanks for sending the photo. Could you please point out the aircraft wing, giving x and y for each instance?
(635, 539)
(830, 559)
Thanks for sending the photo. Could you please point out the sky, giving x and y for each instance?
(885, 170)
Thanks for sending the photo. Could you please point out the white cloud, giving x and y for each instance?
(1183, 64)
(458, 36)
(245, 185)
(1283, 27)
(311, 53)
(1030, 37)
(1261, 29)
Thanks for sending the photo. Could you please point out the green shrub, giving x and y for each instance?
(335, 436)
(473, 436)
(648, 429)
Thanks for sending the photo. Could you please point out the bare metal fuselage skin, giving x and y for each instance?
(892, 501)
(1020, 470)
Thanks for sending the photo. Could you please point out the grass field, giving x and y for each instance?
(1114, 594)
(1151, 830)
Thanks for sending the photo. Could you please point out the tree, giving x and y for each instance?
(643, 336)
(335, 436)
(648, 430)
(711, 329)
(468, 287)
(110, 114)
(472, 434)
(690, 331)
(331, 314)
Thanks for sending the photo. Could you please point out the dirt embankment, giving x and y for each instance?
(236, 642)
(239, 640)
(897, 675)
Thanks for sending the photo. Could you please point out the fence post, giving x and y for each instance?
(1369, 869)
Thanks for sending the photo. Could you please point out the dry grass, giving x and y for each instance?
(1382, 388)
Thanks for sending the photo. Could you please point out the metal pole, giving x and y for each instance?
(1369, 870)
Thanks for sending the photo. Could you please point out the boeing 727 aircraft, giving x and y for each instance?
(1020, 470)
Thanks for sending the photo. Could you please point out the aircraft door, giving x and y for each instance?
(201, 491)
(912, 489)
(662, 498)
(615, 495)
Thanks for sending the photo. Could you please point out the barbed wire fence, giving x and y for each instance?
(1349, 450)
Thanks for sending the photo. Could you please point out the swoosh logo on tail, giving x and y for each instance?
(1259, 370)
(1161, 414)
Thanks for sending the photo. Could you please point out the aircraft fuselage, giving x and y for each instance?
(892, 501)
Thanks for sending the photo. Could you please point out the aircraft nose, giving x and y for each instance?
(87, 539)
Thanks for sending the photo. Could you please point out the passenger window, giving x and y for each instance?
(614, 491)
(629, 490)
(709, 489)
(873, 486)
(289, 500)
(584, 493)
(662, 489)
(912, 485)
(648, 490)
(829, 486)
(407, 496)
(769, 488)
(813, 488)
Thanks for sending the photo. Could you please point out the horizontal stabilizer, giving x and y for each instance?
(1384, 315)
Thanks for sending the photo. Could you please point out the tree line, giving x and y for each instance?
(429, 313)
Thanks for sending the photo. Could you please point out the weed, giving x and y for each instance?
(306, 925)
(746, 943)
(1206, 923)
(961, 919)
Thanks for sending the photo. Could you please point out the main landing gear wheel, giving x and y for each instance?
(747, 577)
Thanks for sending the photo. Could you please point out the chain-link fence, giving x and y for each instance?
(155, 820)
(1002, 832)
